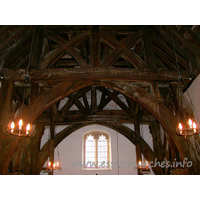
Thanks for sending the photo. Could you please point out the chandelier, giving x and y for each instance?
(143, 169)
(21, 130)
(56, 165)
(52, 166)
(189, 127)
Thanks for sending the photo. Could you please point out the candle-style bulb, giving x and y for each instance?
(57, 164)
(49, 164)
(139, 164)
(12, 126)
(194, 127)
(20, 123)
(147, 164)
(190, 123)
(28, 127)
(180, 127)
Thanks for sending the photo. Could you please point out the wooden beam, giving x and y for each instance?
(93, 100)
(52, 135)
(15, 36)
(83, 94)
(129, 55)
(136, 93)
(34, 91)
(165, 38)
(149, 48)
(195, 37)
(189, 44)
(157, 145)
(138, 143)
(95, 47)
(35, 146)
(8, 144)
(80, 106)
(169, 52)
(16, 50)
(154, 90)
(102, 100)
(95, 74)
(165, 59)
(36, 46)
(112, 58)
(74, 116)
(67, 46)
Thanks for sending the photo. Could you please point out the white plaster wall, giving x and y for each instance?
(193, 96)
(122, 152)
(70, 151)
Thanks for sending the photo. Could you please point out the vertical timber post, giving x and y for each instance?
(52, 133)
(138, 143)
(8, 144)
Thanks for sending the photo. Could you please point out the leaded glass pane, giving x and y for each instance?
(90, 151)
(102, 151)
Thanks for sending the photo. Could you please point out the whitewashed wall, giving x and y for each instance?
(193, 96)
(70, 151)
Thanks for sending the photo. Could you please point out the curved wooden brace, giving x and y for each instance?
(127, 132)
(57, 53)
(134, 92)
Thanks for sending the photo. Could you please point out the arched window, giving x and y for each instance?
(96, 150)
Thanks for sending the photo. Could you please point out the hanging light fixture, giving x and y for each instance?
(52, 166)
(19, 129)
(144, 169)
(189, 127)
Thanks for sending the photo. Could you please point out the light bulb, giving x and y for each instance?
(20, 123)
(57, 164)
(194, 127)
(180, 127)
(49, 164)
(12, 126)
(190, 123)
(139, 164)
(147, 164)
(28, 127)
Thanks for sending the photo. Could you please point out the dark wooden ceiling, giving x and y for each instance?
(56, 57)
(113, 52)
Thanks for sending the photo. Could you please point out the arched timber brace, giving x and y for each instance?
(135, 61)
(134, 92)
(156, 107)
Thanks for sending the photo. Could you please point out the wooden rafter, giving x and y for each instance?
(146, 88)
(36, 47)
(168, 52)
(95, 47)
(120, 47)
(52, 57)
(149, 48)
(190, 45)
(16, 50)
